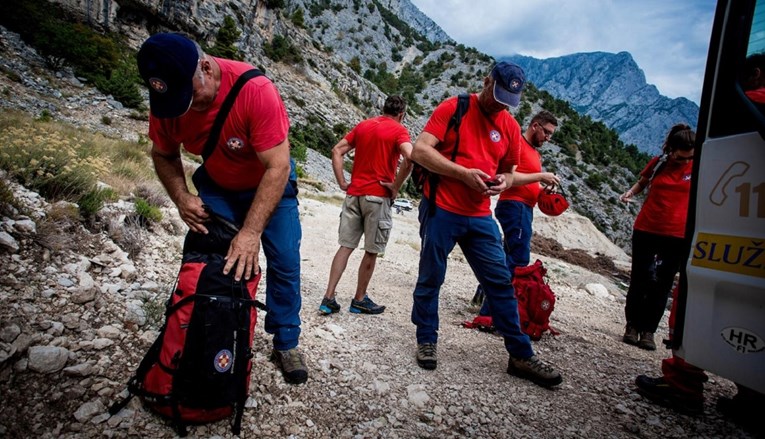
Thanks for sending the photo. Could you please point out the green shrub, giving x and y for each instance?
(300, 171)
(122, 84)
(281, 49)
(93, 201)
(355, 64)
(298, 18)
(45, 116)
(147, 212)
(225, 41)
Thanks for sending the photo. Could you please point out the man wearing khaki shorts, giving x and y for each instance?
(379, 142)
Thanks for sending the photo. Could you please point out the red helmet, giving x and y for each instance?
(552, 203)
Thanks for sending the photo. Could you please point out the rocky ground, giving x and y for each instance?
(77, 313)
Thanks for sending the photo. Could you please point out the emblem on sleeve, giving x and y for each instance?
(495, 136)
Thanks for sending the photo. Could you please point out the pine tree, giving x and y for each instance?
(225, 41)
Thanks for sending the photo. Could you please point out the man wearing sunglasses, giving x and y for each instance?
(515, 208)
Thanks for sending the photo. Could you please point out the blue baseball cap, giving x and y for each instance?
(167, 63)
(508, 83)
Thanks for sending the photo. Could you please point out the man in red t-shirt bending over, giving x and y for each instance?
(379, 142)
(248, 178)
(456, 210)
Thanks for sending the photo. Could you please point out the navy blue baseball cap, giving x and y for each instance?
(508, 83)
(167, 63)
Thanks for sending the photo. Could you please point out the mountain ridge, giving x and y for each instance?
(618, 94)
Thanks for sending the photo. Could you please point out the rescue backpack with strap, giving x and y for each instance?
(198, 369)
(420, 173)
(536, 302)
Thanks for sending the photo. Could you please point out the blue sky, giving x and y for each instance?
(667, 38)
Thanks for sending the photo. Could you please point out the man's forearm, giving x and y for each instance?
(170, 173)
(403, 173)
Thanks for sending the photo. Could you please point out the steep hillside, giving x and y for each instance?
(611, 88)
(334, 63)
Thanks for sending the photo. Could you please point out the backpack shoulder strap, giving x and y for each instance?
(463, 103)
(212, 139)
(658, 166)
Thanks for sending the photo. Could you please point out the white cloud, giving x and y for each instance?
(667, 39)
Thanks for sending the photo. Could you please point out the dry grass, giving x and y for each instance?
(336, 200)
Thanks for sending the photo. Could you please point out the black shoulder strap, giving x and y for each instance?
(463, 103)
(212, 139)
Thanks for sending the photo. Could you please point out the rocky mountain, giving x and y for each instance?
(611, 88)
(345, 57)
(412, 15)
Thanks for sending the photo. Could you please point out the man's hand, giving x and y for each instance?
(243, 254)
(192, 212)
(392, 189)
(549, 179)
(495, 185)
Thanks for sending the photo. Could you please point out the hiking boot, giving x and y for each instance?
(534, 370)
(365, 306)
(427, 356)
(329, 306)
(646, 341)
(630, 336)
(657, 390)
(292, 365)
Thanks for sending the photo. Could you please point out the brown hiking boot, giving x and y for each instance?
(630, 335)
(292, 365)
(427, 355)
(534, 370)
(646, 341)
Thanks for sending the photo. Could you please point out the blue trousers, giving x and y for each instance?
(515, 218)
(479, 239)
(281, 245)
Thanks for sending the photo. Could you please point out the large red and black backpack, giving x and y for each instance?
(198, 369)
(536, 301)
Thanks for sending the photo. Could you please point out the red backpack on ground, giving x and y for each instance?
(198, 369)
(536, 302)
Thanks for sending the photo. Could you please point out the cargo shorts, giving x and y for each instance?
(366, 215)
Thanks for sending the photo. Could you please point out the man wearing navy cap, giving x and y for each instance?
(248, 179)
(457, 211)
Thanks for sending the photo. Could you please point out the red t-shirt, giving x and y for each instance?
(757, 95)
(666, 207)
(257, 122)
(491, 143)
(376, 142)
(531, 163)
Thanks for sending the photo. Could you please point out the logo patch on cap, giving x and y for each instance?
(495, 136)
(158, 85)
(235, 144)
(515, 85)
(222, 361)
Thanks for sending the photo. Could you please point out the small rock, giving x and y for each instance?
(88, 410)
(47, 359)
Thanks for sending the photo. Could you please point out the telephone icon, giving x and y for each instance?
(719, 195)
